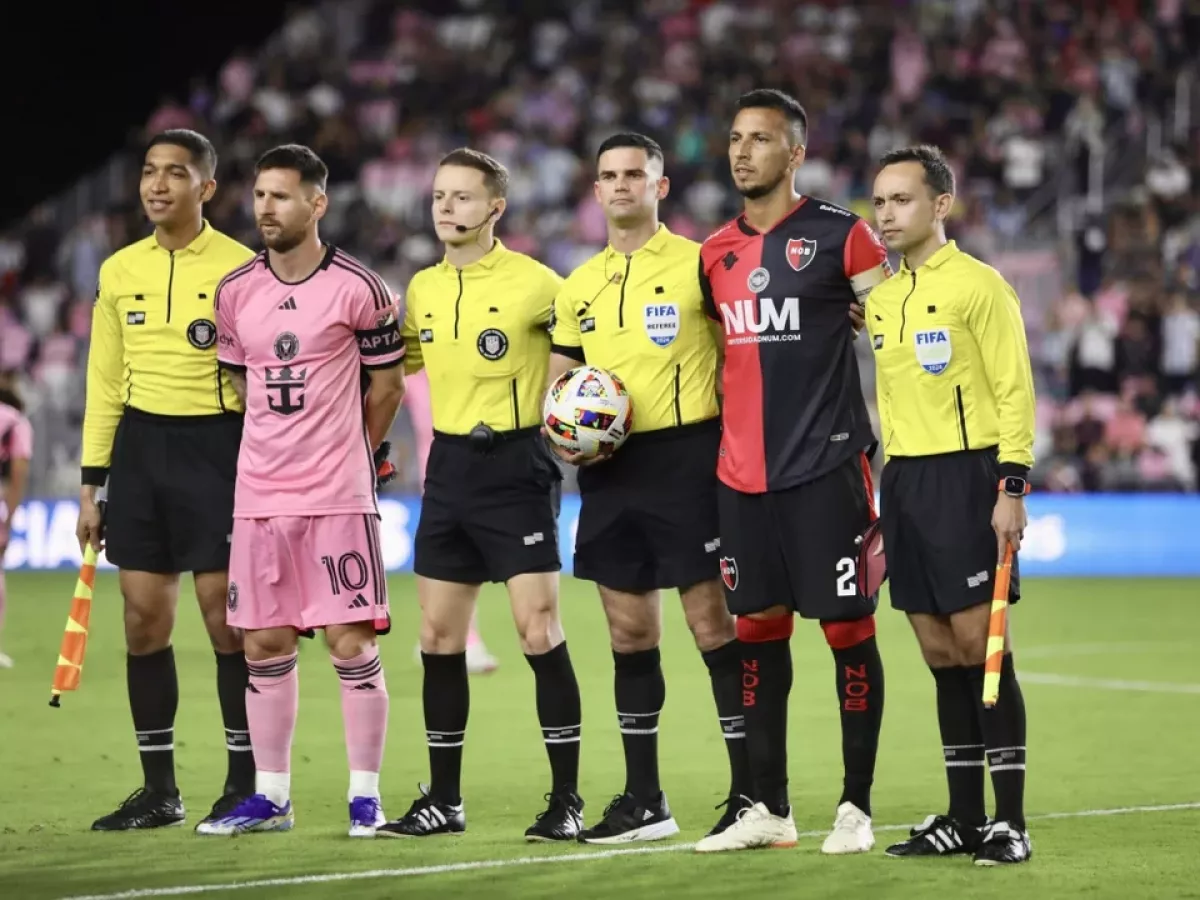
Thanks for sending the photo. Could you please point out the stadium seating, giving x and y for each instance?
(1072, 127)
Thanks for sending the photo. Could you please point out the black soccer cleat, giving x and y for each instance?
(225, 804)
(938, 836)
(1003, 845)
(143, 809)
(629, 819)
(734, 804)
(424, 818)
(562, 820)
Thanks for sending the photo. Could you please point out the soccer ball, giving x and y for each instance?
(589, 411)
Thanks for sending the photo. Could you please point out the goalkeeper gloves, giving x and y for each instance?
(384, 470)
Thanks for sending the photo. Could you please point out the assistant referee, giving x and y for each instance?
(162, 426)
(648, 517)
(477, 322)
(956, 404)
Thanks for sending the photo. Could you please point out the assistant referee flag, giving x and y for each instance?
(154, 340)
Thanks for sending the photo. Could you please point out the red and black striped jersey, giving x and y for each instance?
(793, 403)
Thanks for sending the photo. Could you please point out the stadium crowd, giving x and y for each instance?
(1040, 106)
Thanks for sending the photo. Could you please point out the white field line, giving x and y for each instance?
(1056, 651)
(1107, 684)
(299, 880)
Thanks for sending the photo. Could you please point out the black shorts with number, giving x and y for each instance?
(937, 531)
(487, 516)
(170, 492)
(648, 515)
(798, 547)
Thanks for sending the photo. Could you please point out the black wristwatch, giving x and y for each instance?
(1014, 486)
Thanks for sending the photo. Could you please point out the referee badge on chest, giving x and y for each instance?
(933, 349)
(662, 322)
(492, 344)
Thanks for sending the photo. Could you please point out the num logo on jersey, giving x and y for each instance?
(662, 322)
(761, 320)
(285, 389)
(800, 252)
(933, 349)
(729, 572)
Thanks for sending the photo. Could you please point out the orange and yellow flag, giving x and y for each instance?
(74, 641)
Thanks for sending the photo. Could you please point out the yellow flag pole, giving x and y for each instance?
(74, 642)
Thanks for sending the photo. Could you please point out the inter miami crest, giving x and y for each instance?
(729, 572)
(202, 334)
(287, 345)
(800, 252)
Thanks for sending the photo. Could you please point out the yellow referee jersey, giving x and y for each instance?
(154, 340)
(641, 316)
(481, 334)
(952, 366)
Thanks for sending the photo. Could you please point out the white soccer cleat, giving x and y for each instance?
(5, 661)
(851, 832)
(479, 661)
(755, 827)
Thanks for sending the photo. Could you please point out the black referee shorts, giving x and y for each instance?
(648, 515)
(487, 516)
(170, 492)
(937, 531)
(797, 547)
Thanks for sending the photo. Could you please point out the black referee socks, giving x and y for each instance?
(559, 714)
(232, 681)
(1003, 728)
(446, 697)
(962, 744)
(640, 693)
(153, 700)
(725, 669)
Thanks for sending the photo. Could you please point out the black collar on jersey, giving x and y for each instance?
(750, 231)
(326, 262)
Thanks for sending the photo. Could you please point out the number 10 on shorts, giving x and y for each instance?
(348, 571)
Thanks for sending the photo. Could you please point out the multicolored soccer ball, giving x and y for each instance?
(589, 411)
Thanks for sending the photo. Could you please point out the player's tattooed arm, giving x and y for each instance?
(238, 380)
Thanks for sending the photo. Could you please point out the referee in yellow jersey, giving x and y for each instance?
(956, 404)
(162, 427)
(648, 520)
(478, 324)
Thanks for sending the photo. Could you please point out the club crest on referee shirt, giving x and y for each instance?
(800, 252)
(933, 349)
(492, 344)
(287, 345)
(662, 322)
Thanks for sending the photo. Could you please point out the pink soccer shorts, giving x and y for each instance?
(306, 572)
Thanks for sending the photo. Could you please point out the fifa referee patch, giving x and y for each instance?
(662, 323)
(492, 344)
(202, 334)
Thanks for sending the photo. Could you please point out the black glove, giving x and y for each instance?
(384, 470)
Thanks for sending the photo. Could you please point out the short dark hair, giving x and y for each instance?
(938, 174)
(770, 98)
(298, 158)
(204, 155)
(495, 176)
(631, 139)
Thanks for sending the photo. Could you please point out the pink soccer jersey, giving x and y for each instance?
(16, 442)
(302, 348)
